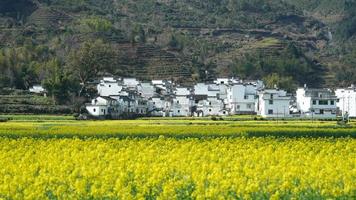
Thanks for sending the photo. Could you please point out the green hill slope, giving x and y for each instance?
(304, 41)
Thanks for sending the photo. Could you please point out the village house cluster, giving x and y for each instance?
(129, 97)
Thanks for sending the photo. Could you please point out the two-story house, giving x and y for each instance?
(103, 107)
(242, 98)
(273, 103)
(316, 103)
(181, 102)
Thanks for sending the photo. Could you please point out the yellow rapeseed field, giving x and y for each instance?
(177, 168)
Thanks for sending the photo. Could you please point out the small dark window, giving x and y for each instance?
(154, 103)
(224, 112)
(94, 110)
(271, 96)
(270, 112)
(178, 111)
(270, 102)
(209, 110)
(314, 102)
(177, 102)
(209, 103)
(245, 97)
(222, 82)
(323, 102)
(321, 111)
(109, 85)
(332, 102)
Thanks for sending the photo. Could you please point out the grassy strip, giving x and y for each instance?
(179, 129)
(36, 117)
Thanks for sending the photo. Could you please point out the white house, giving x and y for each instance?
(181, 102)
(259, 85)
(222, 81)
(156, 106)
(126, 105)
(223, 88)
(226, 81)
(141, 106)
(209, 106)
(103, 107)
(108, 87)
(347, 100)
(273, 103)
(38, 89)
(316, 103)
(130, 82)
(211, 90)
(146, 90)
(157, 82)
(242, 98)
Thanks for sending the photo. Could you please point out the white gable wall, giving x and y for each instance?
(97, 110)
(108, 89)
(347, 101)
(181, 106)
(130, 82)
(241, 99)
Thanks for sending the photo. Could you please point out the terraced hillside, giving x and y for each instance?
(192, 40)
(22, 102)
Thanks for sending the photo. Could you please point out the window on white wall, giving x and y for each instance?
(323, 102)
(270, 112)
(270, 102)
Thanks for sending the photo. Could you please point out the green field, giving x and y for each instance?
(65, 126)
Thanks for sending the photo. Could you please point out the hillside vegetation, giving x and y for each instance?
(53, 41)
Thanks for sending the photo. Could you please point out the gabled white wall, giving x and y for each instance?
(97, 110)
(347, 101)
(241, 98)
(108, 89)
(181, 106)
